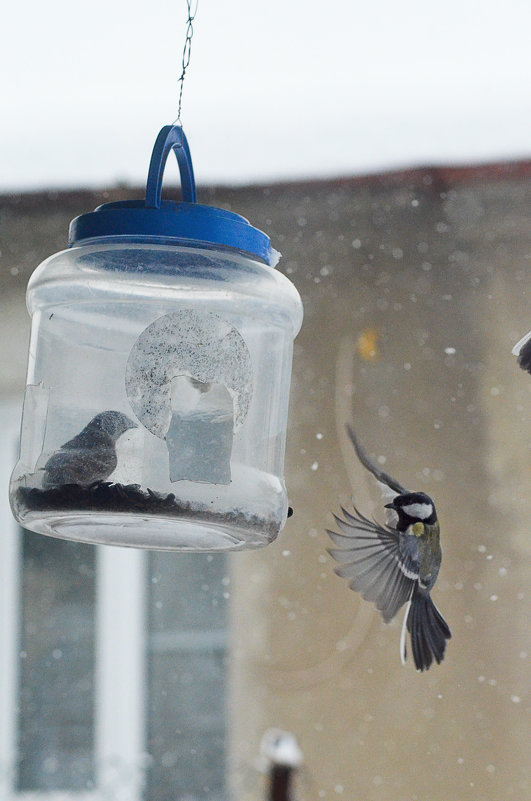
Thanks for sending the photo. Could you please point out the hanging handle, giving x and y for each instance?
(171, 137)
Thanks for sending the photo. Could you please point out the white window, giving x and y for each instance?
(108, 690)
(187, 676)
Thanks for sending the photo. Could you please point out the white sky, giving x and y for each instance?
(275, 89)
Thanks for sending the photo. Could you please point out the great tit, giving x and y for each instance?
(91, 455)
(397, 563)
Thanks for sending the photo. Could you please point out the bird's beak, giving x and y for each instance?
(390, 505)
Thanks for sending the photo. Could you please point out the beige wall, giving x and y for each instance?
(444, 272)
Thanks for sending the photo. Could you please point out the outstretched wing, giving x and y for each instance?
(367, 462)
(380, 562)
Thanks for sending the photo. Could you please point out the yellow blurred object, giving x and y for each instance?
(367, 345)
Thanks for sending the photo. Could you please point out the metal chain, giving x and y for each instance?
(187, 50)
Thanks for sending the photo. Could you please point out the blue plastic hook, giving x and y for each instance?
(171, 137)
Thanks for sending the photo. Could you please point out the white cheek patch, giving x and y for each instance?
(421, 511)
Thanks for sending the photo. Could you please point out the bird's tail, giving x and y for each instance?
(428, 631)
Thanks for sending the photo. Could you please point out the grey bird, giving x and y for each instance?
(397, 563)
(91, 455)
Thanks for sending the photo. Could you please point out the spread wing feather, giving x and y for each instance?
(378, 473)
(376, 560)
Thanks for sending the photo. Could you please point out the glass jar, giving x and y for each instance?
(156, 404)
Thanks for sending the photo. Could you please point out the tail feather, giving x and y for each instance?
(428, 630)
(422, 654)
(403, 635)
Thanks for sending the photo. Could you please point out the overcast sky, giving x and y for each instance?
(275, 89)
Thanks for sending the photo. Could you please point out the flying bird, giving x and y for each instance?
(522, 351)
(91, 455)
(396, 563)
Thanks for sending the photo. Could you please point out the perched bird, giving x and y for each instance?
(522, 351)
(91, 455)
(397, 563)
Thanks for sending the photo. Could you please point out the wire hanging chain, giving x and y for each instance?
(187, 51)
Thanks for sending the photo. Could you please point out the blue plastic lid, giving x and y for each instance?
(186, 222)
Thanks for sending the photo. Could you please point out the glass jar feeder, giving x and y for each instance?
(156, 403)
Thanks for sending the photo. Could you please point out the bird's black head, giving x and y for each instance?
(413, 507)
(112, 423)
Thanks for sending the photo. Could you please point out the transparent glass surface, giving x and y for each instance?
(57, 659)
(415, 288)
(157, 397)
(188, 649)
